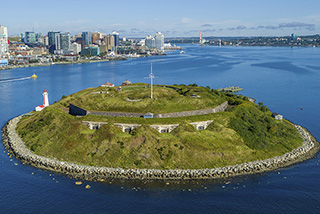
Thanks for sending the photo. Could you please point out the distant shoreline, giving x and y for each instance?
(17, 148)
(62, 63)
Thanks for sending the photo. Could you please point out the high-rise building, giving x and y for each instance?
(57, 45)
(54, 41)
(107, 44)
(3, 40)
(116, 38)
(87, 38)
(65, 42)
(46, 40)
(159, 41)
(294, 37)
(150, 41)
(30, 37)
(41, 39)
(97, 37)
(75, 48)
(22, 37)
(80, 41)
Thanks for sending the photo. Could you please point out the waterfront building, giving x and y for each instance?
(277, 116)
(90, 51)
(159, 41)
(116, 38)
(150, 42)
(87, 38)
(104, 48)
(4, 62)
(65, 42)
(75, 48)
(3, 40)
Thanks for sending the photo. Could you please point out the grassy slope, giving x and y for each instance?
(245, 133)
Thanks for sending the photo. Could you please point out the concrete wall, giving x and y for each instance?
(219, 108)
(114, 114)
(164, 128)
(74, 110)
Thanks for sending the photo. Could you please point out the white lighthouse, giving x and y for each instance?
(45, 98)
(45, 101)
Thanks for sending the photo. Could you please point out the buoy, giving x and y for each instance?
(34, 76)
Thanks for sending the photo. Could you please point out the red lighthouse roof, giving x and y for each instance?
(44, 90)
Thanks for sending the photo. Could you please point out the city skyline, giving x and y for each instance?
(179, 18)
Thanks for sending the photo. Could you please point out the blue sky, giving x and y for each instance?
(173, 18)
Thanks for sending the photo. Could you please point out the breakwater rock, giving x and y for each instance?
(17, 147)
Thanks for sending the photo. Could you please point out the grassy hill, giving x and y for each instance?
(245, 132)
(136, 98)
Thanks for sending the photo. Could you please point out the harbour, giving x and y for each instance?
(285, 89)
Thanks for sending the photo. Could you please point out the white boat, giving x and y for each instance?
(182, 52)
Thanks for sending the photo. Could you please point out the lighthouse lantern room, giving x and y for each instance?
(45, 101)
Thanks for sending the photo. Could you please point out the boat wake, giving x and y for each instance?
(14, 79)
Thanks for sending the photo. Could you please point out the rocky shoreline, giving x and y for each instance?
(16, 146)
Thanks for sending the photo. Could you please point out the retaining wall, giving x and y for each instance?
(17, 147)
(219, 108)
(77, 111)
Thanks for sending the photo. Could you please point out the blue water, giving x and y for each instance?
(285, 79)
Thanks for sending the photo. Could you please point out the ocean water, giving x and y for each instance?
(285, 79)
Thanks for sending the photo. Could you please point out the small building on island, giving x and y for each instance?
(126, 82)
(277, 116)
(45, 101)
(108, 84)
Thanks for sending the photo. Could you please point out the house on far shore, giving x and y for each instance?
(108, 84)
(277, 116)
(127, 82)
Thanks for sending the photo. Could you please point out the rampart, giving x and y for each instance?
(77, 111)
(161, 128)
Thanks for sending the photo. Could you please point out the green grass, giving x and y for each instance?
(245, 132)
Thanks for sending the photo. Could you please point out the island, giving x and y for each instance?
(140, 131)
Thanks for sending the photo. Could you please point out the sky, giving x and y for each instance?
(174, 18)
